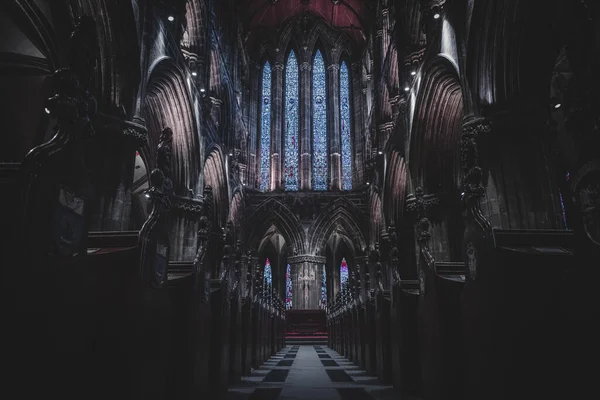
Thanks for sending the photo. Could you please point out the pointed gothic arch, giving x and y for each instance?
(168, 104)
(436, 129)
(343, 215)
(216, 178)
(274, 213)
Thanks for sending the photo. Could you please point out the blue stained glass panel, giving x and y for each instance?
(345, 125)
(268, 275)
(291, 124)
(324, 289)
(288, 288)
(319, 128)
(265, 129)
(343, 273)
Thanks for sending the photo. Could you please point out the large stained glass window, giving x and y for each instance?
(265, 129)
(291, 123)
(319, 124)
(345, 124)
(324, 289)
(268, 274)
(343, 273)
(288, 288)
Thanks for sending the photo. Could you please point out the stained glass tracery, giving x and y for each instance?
(343, 273)
(265, 129)
(319, 127)
(288, 288)
(345, 127)
(267, 273)
(291, 123)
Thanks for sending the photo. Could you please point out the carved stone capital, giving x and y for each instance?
(472, 173)
(414, 58)
(305, 66)
(187, 205)
(333, 67)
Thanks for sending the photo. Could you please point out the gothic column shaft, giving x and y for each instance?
(276, 127)
(254, 131)
(385, 36)
(305, 127)
(335, 151)
(357, 112)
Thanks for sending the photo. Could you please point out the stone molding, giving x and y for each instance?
(306, 258)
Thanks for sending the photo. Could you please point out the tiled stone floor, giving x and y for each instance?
(316, 373)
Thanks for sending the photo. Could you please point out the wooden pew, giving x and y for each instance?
(406, 363)
(514, 320)
(221, 334)
(439, 328)
(181, 281)
(382, 305)
(449, 285)
(370, 332)
(235, 324)
(247, 320)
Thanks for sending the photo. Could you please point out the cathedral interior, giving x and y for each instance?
(300, 199)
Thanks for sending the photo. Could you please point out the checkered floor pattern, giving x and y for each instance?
(311, 373)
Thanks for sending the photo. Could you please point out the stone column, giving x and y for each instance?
(112, 211)
(384, 34)
(276, 126)
(333, 111)
(305, 127)
(255, 132)
(215, 111)
(358, 123)
(384, 131)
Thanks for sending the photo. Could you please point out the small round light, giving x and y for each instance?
(202, 90)
(147, 195)
(406, 88)
(47, 111)
(171, 18)
(230, 154)
(557, 105)
(368, 183)
(194, 73)
(380, 152)
(413, 73)
(436, 16)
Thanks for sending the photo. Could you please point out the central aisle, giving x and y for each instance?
(310, 373)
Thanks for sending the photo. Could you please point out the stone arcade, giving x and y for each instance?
(300, 199)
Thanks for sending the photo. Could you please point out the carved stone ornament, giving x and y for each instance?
(422, 281)
(69, 222)
(306, 258)
(471, 253)
(588, 193)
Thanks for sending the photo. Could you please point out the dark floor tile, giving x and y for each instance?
(329, 363)
(338, 375)
(277, 375)
(289, 356)
(324, 356)
(354, 394)
(285, 363)
(265, 394)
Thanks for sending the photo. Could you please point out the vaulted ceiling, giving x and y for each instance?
(346, 15)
